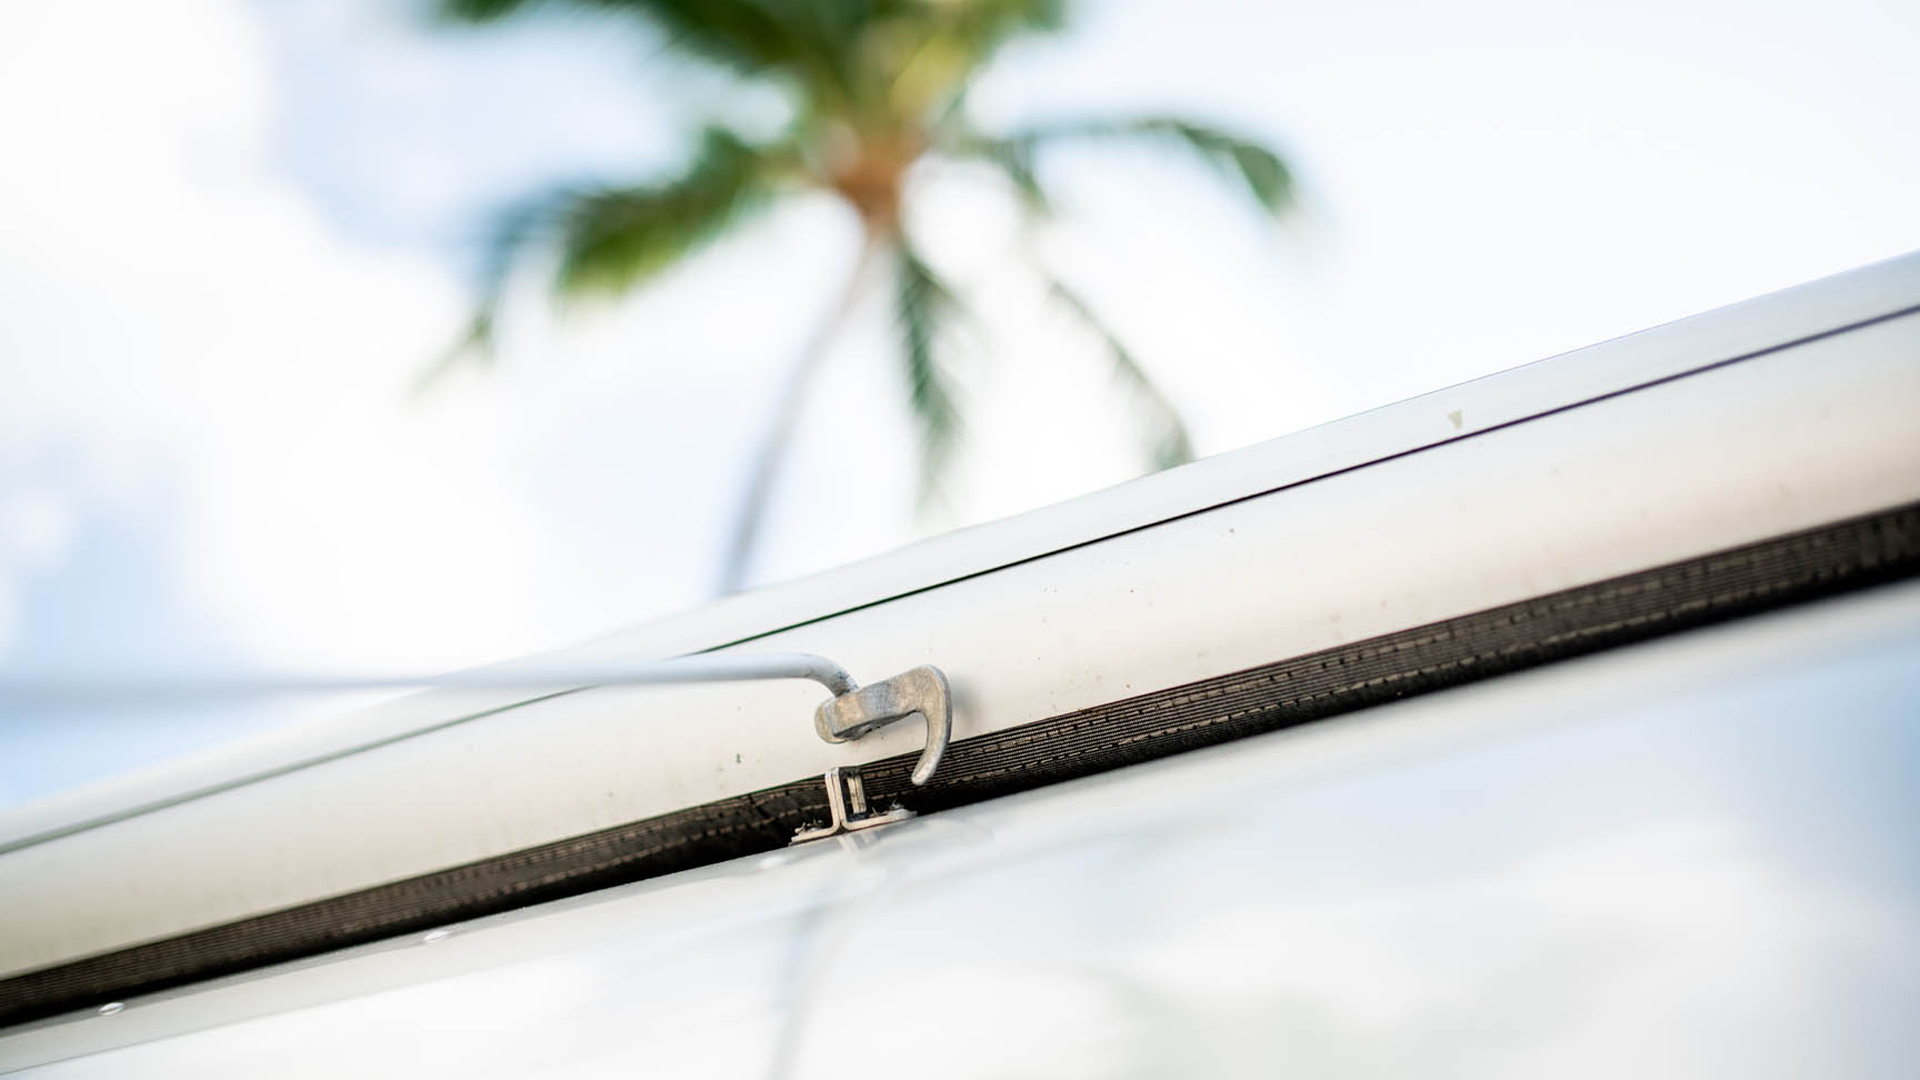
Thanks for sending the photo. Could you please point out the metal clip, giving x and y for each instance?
(847, 803)
(922, 691)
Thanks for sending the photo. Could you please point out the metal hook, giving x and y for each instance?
(922, 691)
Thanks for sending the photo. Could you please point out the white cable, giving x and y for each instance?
(550, 680)
(76, 691)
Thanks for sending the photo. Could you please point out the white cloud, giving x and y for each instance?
(35, 526)
(177, 311)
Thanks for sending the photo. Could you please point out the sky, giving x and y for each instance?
(233, 231)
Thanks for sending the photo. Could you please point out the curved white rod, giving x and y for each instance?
(80, 691)
(75, 692)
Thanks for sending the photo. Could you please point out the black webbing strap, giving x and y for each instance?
(1832, 559)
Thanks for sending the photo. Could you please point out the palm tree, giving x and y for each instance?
(874, 88)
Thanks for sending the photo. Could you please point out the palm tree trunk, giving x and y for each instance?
(745, 539)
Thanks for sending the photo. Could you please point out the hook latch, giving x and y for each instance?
(922, 691)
